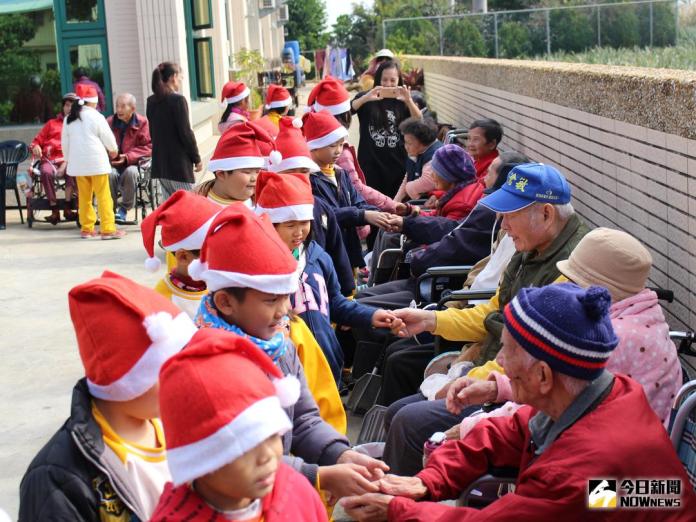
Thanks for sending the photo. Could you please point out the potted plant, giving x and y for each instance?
(249, 63)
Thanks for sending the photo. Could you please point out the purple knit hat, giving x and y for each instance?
(453, 164)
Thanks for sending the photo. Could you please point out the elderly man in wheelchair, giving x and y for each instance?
(48, 165)
(579, 423)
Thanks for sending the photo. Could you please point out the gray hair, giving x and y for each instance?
(564, 211)
(130, 99)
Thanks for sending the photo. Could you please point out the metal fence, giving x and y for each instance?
(533, 32)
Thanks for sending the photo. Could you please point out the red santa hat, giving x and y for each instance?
(219, 398)
(277, 96)
(267, 125)
(243, 146)
(86, 93)
(329, 94)
(293, 147)
(125, 333)
(243, 250)
(321, 129)
(184, 218)
(233, 92)
(284, 197)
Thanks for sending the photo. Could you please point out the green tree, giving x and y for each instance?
(342, 30)
(514, 40)
(463, 38)
(306, 24)
(363, 40)
(16, 63)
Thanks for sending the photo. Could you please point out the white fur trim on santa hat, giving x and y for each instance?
(279, 103)
(239, 97)
(247, 430)
(328, 139)
(234, 163)
(296, 162)
(169, 335)
(216, 279)
(193, 241)
(289, 213)
(339, 108)
(89, 99)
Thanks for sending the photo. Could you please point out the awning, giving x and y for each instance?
(24, 6)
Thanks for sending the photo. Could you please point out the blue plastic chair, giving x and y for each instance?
(12, 153)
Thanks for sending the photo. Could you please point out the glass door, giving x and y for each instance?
(86, 56)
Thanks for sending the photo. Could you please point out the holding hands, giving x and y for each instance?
(374, 507)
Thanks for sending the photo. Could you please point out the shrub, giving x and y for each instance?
(514, 40)
(572, 30)
(463, 38)
(620, 26)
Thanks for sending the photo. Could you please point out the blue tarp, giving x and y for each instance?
(24, 6)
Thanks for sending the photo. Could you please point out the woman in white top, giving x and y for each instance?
(88, 143)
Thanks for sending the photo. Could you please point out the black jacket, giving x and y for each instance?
(348, 206)
(174, 148)
(73, 479)
(460, 243)
(326, 232)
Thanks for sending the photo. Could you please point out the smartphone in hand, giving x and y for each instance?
(389, 92)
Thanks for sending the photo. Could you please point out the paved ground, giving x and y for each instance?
(40, 359)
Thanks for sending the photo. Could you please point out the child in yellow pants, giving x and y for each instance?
(88, 143)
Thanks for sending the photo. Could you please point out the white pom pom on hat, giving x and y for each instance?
(287, 390)
(152, 264)
(297, 123)
(275, 157)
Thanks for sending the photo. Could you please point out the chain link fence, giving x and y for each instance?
(534, 32)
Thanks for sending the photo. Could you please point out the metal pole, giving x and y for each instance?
(495, 32)
(548, 32)
(384, 34)
(442, 44)
(650, 6)
(599, 27)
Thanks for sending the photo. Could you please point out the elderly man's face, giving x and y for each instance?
(525, 227)
(515, 361)
(124, 109)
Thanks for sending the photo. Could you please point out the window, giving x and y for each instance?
(81, 11)
(202, 15)
(203, 54)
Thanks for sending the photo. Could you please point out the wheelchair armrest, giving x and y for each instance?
(466, 295)
(460, 270)
(663, 294)
(417, 201)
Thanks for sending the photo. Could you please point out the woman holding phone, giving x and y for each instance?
(381, 110)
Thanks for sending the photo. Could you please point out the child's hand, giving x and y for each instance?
(376, 467)
(412, 321)
(431, 203)
(378, 219)
(343, 480)
(382, 319)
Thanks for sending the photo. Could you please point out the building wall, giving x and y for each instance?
(624, 137)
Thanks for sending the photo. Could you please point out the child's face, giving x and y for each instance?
(293, 233)
(237, 184)
(259, 314)
(144, 407)
(300, 170)
(329, 154)
(184, 259)
(245, 479)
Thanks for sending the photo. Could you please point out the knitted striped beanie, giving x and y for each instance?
(564, 325)
(453, 164)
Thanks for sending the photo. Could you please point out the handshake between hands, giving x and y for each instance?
(373, 506)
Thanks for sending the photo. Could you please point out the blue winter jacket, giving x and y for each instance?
(327, 233)
(319, 302)
(349, 208)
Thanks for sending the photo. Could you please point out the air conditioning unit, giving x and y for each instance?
(283, 14)
(268, 4)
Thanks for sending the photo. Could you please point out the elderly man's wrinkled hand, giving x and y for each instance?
(372, 507)
(410, 487)
(412, 321)
(466, 391)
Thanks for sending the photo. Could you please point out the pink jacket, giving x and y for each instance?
(348, 161)
(425, 184)
(645, 353)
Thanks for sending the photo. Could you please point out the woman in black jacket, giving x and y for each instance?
(174, 149)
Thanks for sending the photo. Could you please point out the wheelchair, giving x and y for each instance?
(148, 192)
(37, 200)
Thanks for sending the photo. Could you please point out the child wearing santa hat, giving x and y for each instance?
(287, 200)
(325, 137)
(88, 144)
(108, 460)
(235, 99)
(278, 104)
(184, 219)
(250, 274)
(238, 157)
(225, 447)
(330, 95)
(296, 158)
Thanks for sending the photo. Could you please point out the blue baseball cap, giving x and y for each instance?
(526, 184)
